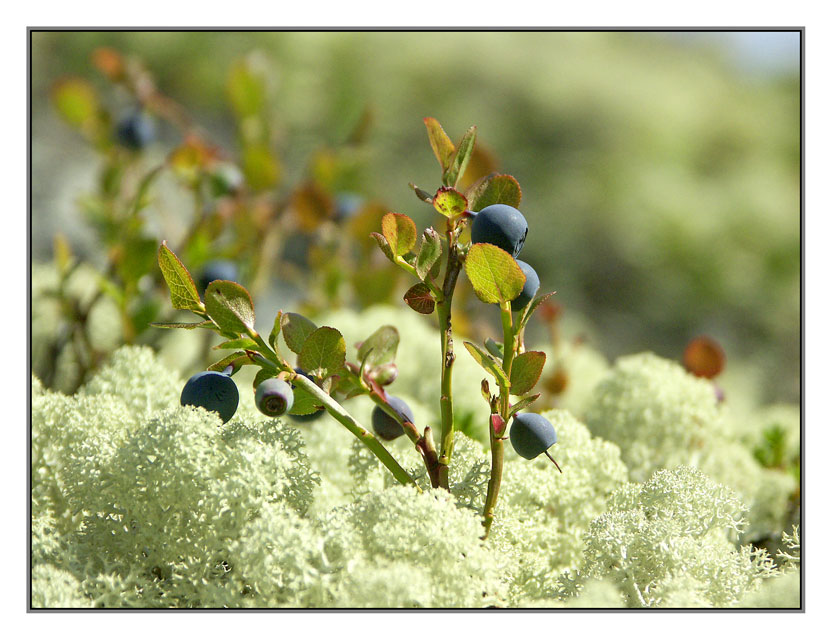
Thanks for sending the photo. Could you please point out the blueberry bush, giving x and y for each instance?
(532, 472)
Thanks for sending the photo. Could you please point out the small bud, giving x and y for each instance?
(385, 374)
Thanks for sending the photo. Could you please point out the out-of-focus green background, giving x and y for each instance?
(660, 171)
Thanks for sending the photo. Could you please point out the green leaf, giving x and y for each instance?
(450, 202)
(441, 144)
(460, 161)
(525, 371)
(522, 403)
(323, 353)
(494, 348)
(419, 298)
(494, 189)
(183, 293)
(429, 252)
(423, 195)
(205, 324)
(238, 343)
(304, 403)
(487, 362)
(235, 360)
(384, 246)
(246, 89)
(296, 330)
(381, 347)
(495, 275)
(400, 232)
(532, 307)
(275, 332)
(229, 305)
(262, 376)
(75, 100)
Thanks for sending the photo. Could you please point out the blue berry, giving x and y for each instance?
(529, 289)
(385, 426)
(217, 270)
(531, 434)
(347, 205)
(135, 131)
(274, 397)
(309, 417)
(213, 391)
(500, 225)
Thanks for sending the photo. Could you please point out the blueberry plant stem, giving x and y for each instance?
(335, 410)
(443, 309)
(497, 436)
(368, 439)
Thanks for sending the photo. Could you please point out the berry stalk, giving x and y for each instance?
(497, 436)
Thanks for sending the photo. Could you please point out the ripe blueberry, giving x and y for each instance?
(309, 417)
(213, 391)
(135, 131)
(347, 205)
(529, 289)
(217, 270)
(274, 397)
(531, 434)
(385, 426)
(500, 225)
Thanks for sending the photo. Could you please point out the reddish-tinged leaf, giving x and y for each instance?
(400, 232)
(441, 144)
(449, 202)
(419, 298)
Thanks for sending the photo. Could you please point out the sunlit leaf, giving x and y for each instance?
(229, 305)
(488, 362)
(183, 293)
(449, 202)
(400, 232)
(494, 189)
(494, 274)
(461, 158)
(441, 144)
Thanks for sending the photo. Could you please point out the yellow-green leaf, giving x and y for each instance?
(229, 305)
(495, 275)
(488, 362)
(399, 231)
(441, 144)
(449, 202)
(494, 189)
(461, 158)
(183, 292)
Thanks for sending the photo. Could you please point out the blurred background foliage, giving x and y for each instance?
(660, 173)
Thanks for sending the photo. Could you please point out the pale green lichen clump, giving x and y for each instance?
(139, 502)
(671, 542)
(661, 417)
